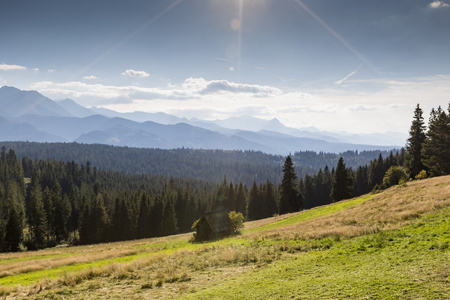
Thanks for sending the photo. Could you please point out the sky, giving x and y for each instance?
(350, 65)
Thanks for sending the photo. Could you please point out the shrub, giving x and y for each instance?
(422, 175)
(237, 220)
(394, 176)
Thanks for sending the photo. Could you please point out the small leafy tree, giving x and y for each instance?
(237, 222)
(394, 175)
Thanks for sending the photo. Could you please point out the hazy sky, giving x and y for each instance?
(354, 65)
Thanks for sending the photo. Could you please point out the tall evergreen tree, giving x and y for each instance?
(13, 231)
(290, 198)
(143, 224)
(436, 149)
(308, 192)
(169, 223)
(121, 225)
(241, 200)
(342, 186)
(37, 218)
(270, 202)
(415, 142)
(254, 202)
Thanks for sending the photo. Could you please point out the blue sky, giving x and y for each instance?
(353, 65)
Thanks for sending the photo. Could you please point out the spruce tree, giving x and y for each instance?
(37, 218)
(143, 222)
(253, 202)
(241, 200)
(415, 142)
(290, 199)
(13, 231)
(270, 202)
(436, 149)
(342, 185)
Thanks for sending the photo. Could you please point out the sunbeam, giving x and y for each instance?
(336, 35)
(126, 38)
(239, 54)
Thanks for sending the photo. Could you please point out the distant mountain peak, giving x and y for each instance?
(15, 103)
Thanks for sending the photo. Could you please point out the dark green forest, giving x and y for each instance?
(46, 202)
(210, 165)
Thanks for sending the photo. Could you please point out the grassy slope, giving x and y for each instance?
(392, 245)
(410, 263)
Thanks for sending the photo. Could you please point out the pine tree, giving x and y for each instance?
(270, 201)
(231, 198)
(290, 198)
(254, 203)
(169, 224)
(98, 219)
(415, 142)
(241, 200)
(61, 219)
(307, 189)
(121, 225)
(342, 186)
(143, 224)
(37, 218)
(13, 231)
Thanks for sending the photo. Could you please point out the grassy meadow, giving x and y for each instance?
(392, 245)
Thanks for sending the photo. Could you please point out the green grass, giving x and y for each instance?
(312, 214)
(410, 263)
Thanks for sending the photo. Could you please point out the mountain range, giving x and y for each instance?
(30, 116)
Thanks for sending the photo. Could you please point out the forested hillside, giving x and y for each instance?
(46, 202)
(210, 165)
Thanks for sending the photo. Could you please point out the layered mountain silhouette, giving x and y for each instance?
(30, 116)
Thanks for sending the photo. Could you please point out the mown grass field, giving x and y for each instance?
(393, 245)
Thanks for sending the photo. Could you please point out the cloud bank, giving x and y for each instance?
(353, 108)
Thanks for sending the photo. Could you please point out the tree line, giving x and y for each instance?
(428, 151)
(199, 164)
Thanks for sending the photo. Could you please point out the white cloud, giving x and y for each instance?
(438, 4)
(5, 67)
(219, 86)
(133, 73)
(387, 105)
(90, 77)
(51, 70)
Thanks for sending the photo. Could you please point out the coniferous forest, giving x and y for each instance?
(46, 202)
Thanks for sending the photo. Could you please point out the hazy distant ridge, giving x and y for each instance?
(30, 116)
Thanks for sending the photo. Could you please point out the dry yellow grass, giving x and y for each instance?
(259, 223)
(391, 209)
(17, 263)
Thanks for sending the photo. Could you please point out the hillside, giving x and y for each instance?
(392, 245)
